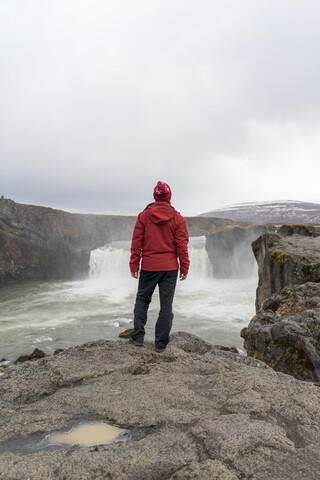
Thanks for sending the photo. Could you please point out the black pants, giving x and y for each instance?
(147, 283)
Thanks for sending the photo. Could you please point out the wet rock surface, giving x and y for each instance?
(35, 355)
(194, 412)
(125, 333)
(282, 261)
(285, 333)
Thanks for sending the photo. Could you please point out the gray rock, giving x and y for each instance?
(226, 349)
(285, 333)
(125, 333)
(299, 229)
(208, 469)
(41, 243)
(193, 412)
(283, 261)
(35, 355)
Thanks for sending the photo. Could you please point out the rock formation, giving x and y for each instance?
(285, 333)
(192, 412)
(283, 261)
(40, 243)
(229, 249)
(289, 229)
(198, 226)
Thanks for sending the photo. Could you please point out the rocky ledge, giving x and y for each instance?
(285, 333)
(193, 412)
(285, 260)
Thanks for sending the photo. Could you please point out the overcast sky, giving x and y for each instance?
(100, 99)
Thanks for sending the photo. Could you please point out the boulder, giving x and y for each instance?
(192, 412)
(35, 355)
(57, 351)
(282, 261)
(285, 333)
(125, 333)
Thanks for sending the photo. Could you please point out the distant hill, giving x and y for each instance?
(283, 211)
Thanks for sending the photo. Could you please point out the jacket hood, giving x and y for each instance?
(160, 212)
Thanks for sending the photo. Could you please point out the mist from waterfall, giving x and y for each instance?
(212, 308)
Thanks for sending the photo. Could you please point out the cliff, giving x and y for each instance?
(229, 249)
(285, 332)
(191, 412)
(285, 260)
(198, 226)
(39, 243)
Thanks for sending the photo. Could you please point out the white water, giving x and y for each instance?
(51, 315)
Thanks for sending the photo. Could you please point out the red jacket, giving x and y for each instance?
(160, 238)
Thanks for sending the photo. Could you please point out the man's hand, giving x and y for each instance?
(134, 274)
(183, 276)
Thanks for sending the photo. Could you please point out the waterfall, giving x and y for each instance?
(51, 315)
(200, 265)
(111, 262)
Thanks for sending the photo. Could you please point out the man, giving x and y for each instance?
(160, 238)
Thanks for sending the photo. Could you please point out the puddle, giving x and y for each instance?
(87, 435)
(84, 434)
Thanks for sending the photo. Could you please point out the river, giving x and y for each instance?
(51, 315)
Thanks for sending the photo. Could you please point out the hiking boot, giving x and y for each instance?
(137, 343)
(159, 350)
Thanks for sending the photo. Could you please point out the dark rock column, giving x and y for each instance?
(285, 261)
(285, 333)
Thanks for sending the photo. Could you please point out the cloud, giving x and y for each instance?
(101, 100)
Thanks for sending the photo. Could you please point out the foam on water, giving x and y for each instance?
(50, 315)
